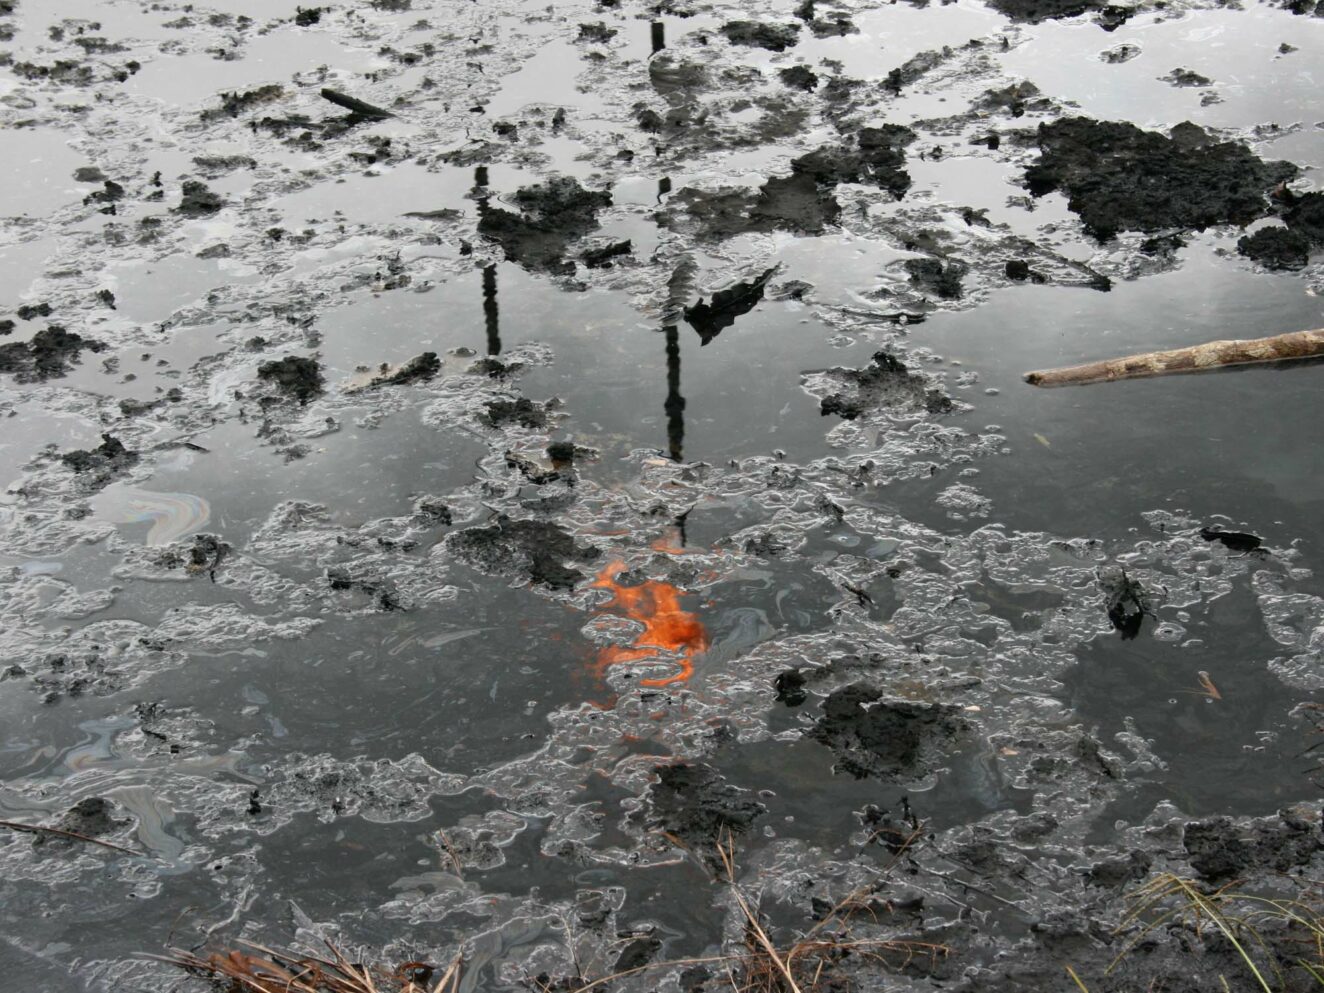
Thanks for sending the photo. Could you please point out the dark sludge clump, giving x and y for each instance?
(236, 103)
(804, 201)
(1018, 271)
(32, 311)
(1015, 99)
(419, 369)
(198, 200)
(1125, 602)
(937, 277)
(694, 803)
(1220, 850)
(1276, 248)
(537, 551)
(889, 740)
(798, 78)
(522, 411)
(757, 34)
(1111, 16)
(92, 817)
(551, 216)
(383, 592)
(1120, 178)
(885, 383)
(297, 376)
(101, 465)
(1289, 247)
(790, 687)
(1237, 541)
(50, 353)
(206, 554)
(596, 32)
(603, 258)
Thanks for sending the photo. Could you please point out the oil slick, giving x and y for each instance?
(669, 631)
(172, 515)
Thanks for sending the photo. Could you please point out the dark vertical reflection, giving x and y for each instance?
(675, 405)
(490, 314)
(659, 36)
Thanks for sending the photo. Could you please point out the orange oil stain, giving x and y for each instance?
(668, 627)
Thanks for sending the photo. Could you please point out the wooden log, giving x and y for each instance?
(355, 105)
(1197, 358)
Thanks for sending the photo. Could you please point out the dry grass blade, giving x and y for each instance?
(1316, 974)
(727, 851)
(1080, 983)
(1237, 916)
(272, 971)
(61, 833)
(672, 963)
(450, 979)
(761, 968)
(1208, 907)
(766, 970)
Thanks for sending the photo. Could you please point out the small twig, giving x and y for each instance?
(450, 853)
(354, 105)
(973, 887)
(38, 829)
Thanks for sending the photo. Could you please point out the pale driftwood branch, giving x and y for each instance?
(1197, 358)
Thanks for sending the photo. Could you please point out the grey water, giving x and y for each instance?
(350, 724)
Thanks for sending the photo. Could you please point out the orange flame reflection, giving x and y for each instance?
(667, 626)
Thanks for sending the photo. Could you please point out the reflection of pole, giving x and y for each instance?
(490, 310)
(675, 405)
(490, 315)
(659, 36)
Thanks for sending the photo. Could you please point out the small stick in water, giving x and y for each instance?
(354, 105)
(60, 832)
(1197, 358)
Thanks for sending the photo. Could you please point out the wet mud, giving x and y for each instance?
(1189, 180)
(481, 479)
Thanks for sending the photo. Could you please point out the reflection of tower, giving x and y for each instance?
(675, 405)
(490, 310)
(490, 313)
(659, 36)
